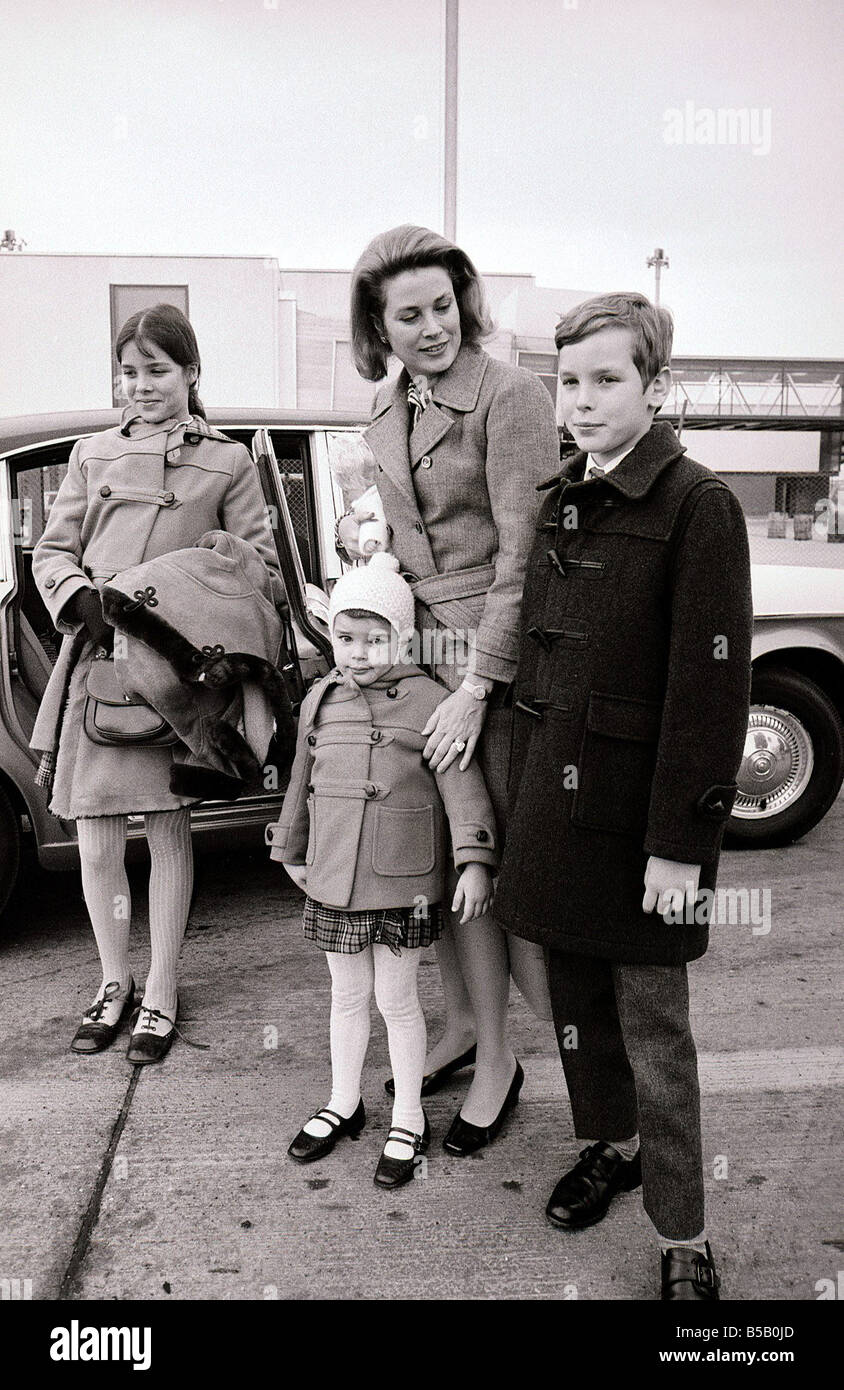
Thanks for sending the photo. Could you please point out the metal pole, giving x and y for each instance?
(657, 260)
(450, 121)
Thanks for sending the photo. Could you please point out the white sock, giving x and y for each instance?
(102, 846)
(699, 1243)
(351, 990)
(627, 1148)
(398, 1002)
(170, 888)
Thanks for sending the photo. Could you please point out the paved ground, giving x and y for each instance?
(172, 1182)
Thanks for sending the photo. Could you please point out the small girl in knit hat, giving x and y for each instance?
(363, 831)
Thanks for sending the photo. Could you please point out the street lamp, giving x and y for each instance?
(657, 260)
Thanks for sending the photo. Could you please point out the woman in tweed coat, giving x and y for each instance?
(461, 441)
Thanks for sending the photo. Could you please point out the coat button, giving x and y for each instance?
(392, 693)
(419, 527)
(51, 584)
(310, 786)
(426, 461)
(375, 735)
(481, 835)
(169, 497)
(311, 739)
(105, 491)
(371, 791)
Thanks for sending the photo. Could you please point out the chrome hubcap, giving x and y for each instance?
(776, 765)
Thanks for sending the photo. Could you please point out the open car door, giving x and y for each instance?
(308, 642)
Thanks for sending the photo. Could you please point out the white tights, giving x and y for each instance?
(394, 978)
(102, 847)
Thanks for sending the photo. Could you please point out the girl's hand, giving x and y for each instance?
(459, 719)
(348, 532)
(474, 892)
(670, 887)
(299, 874)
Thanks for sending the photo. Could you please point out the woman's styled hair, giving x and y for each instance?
(409, 248)
(651, 327)
(166, 327)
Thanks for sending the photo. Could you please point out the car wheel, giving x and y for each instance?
(10, 848)
(793, 762)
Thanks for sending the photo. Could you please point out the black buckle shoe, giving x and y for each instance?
(394, 1172)
(306, 1148)
(93, 1035)
(690, 1276)
(464, 1138)
(583, 1195)
(434, 1081)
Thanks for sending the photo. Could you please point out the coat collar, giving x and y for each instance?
(341, 690)
(458, 388)
(173, 431)
(638, 471)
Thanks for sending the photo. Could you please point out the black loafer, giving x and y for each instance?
(583, 1195)
(93, 1035)
(434, 1081)
(687, 1275)
(148, 1046)
(306, 1148)
(464, 1138)
(394, 1172)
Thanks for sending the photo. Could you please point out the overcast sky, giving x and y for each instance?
(300, 128)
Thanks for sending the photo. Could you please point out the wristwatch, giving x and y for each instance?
(479, 692)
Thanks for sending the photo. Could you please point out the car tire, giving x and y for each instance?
(798, 758)
(10, 848)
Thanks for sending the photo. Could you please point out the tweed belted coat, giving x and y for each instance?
(459, 494)
(132, 493)
(364, 811)
(631, 701)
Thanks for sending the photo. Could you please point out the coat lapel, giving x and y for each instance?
(387, 437)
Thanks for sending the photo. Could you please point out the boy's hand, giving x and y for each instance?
(474, 892)
(299, 874)
(670, 886)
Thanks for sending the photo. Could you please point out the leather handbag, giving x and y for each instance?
(112, 718)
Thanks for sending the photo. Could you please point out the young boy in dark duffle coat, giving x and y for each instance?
(632, 697)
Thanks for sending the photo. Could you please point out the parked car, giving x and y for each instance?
(794, 758)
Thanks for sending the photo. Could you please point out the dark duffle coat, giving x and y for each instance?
(364, 811)
(632, 700)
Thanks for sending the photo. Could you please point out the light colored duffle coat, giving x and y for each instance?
(132, 493)
(364, 811)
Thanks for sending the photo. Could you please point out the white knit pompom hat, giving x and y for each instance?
(377, 587)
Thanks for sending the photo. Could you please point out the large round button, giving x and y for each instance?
(392, 693)
(50, 584)
(426, 461)
(105, 491)
(371, 791)
(169, 497)
(311, 739)
(375, 735)
(481, 835)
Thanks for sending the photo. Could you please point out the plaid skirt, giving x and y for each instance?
(349, 932)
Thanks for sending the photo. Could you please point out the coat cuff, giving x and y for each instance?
(696, 838)
(57, 593)
(473, 842)
(494, 668)
(283, 848)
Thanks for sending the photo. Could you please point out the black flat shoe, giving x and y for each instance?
(583, 1195)
(93, 1035)
(149, 1046)
(464, 1138)
(394, 1172)
(308, 1147)
(434, 1080)
(688, 1275)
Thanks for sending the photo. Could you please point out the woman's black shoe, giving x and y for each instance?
(434, 1081)
(394, 1172)
(583, 1195)
(464, 1138)
(308, 1147)
(93, 1035)
(687, 1275)
(145, 1045)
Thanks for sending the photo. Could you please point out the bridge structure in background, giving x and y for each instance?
(750, 391)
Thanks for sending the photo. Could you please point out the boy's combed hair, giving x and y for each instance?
(651, 326)
(390, 253)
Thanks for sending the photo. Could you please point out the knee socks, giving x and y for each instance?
(170, 889)
(102, 846)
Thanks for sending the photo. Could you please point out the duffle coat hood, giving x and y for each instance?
(132, 493)
(363, 810)
(632, 700)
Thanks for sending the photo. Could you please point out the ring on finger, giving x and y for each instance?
(459, 744)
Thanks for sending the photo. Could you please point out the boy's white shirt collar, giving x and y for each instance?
(606, 467)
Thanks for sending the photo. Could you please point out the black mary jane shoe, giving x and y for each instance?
(145, 1045)
(394, 1172)
(464, 1138)
(306, 1148)
(687, 1275)
(93, 1035)
(583, 1195)
(434, 1081)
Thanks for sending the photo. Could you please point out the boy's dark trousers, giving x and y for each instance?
(634, 1067)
